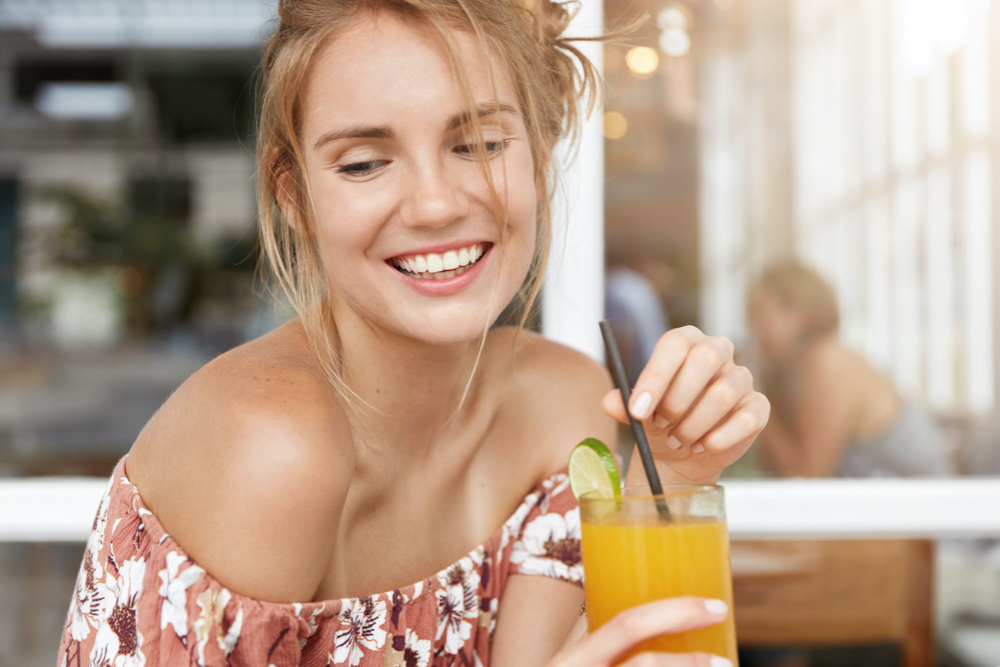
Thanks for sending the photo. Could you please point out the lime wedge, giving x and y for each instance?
(592, 470)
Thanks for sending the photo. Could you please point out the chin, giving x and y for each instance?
(446, 331)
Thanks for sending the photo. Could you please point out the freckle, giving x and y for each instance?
(378, 391)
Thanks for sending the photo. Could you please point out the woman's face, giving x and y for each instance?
(776, 326)
(404, 220)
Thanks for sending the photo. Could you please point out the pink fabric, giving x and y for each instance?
(140, 600)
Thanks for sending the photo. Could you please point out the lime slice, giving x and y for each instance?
(592, 470)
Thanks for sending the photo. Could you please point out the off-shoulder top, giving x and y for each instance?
(141, 600)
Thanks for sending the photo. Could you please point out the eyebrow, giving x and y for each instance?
(376, 132)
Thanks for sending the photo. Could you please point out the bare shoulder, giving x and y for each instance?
(247, 466)
(553, 393)
(832, 371)
(832, 359)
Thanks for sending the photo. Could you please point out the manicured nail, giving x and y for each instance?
(719, 661)
(660, 422)
(698, 449)
(716, 607)
(641, 405)
(673, 443)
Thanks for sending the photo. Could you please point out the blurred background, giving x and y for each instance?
(851, 141)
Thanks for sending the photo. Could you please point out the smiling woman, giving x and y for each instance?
(381, 481)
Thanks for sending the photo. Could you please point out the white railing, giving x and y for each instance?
(61, 509)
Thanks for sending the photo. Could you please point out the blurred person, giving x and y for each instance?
(373, 441)
(833, 414)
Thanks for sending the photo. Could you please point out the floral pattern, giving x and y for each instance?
(141, 601)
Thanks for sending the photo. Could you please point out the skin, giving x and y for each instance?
(256, 467)
(838, 396)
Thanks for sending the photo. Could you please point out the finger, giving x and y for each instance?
(745, 423)
(668, 356)
(614, 406)
(678, 660)
(702, 364)
(718, 401)
(633, 626)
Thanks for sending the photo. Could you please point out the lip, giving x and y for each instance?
(450, 285)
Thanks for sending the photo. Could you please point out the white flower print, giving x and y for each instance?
(550, 546)
(365, 618)
(90, 606)
(213, 608)
(174, 593)
(118, 642)
(458, 604)
(417, 652)
(418, 589)
(311, 621)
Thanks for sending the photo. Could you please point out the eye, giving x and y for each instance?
(492, 147)
(361, 168)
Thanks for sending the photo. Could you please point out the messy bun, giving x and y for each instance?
(551, 78)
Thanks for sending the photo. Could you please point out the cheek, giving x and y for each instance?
(346, 223)
(517, 189)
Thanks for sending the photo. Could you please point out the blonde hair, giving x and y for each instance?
(798, 286)
(550, 77)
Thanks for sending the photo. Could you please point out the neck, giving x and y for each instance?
(413, 388)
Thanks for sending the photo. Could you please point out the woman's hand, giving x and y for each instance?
(698, 408)
(633, 626)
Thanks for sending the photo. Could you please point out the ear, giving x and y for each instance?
(285, 198)
(285, 191)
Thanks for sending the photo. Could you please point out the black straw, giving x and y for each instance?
(617, 369)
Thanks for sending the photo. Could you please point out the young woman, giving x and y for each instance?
(834, 414)
(292, 502)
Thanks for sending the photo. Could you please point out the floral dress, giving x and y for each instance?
(141, 600)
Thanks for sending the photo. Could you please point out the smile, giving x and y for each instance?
(441, 266)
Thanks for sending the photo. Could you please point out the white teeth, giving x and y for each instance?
(440, 266)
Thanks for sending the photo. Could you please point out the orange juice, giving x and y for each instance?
(632, 560)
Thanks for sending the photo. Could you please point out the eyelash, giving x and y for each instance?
(491, 147)
(359, 167)
(362, 168)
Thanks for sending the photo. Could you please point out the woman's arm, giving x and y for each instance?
(529, 634)
(534, 620)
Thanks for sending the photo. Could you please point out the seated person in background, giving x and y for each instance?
(833, 414)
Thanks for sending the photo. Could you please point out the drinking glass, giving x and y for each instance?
(633, 555)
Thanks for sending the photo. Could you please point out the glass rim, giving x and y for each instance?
(669, 491)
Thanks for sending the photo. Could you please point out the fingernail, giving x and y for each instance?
(641, 405)
(719, 661)
(660, 421)
(673, 443)
(716, 607)
(698, 449)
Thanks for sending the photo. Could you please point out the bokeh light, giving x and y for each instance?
(642, 60)
(615, 125)
(672, 18)
(675, 42)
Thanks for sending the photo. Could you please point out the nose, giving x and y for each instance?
(435, 198)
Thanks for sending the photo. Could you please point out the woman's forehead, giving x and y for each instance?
(385, 65)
